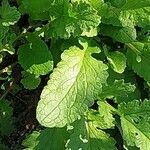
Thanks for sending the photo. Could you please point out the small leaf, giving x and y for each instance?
(105, 111)
(9, 15)
(35, 56)
(30, 81)
(117, 60)
(31, 141)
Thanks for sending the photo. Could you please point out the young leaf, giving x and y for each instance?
(86, 136)
(105, 111)
(117, 61)
(31, 141)
(76, 18)
(35, 56)
(99, 118)
(135, 123)
(73, 86)
(138, 55)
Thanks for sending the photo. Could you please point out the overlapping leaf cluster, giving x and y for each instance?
(100, 53)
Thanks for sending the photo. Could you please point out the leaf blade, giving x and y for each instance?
(66, 97)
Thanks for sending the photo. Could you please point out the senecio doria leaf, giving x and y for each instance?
(72, 87)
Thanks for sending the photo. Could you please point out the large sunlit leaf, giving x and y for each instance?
(73, 86)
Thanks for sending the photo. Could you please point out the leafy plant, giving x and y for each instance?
(95, 54)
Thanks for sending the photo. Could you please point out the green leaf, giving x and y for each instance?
(117, 61)
(138, 55)
(127, 18)
(135, 4)
(9, 15)
(52, 139)
(30, 81)
(73, 86)
(48, 139)
(98, 118)
(135, 123)
(6, 120)
(87, 137)
(38, 10)
(96, 3)
(73, 19)
(7, 43)
(130, 4)
(3, 31)
(121, 34)
(141, 17)
(105, 111)
(31, 141)
(118, 90)
(35, 56)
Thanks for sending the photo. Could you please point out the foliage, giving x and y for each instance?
(6, 120)
(95, 56)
